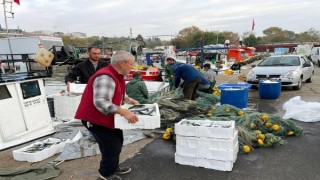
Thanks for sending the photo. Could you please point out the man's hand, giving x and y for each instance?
(133, 102)
(68, 86)
(130, 116)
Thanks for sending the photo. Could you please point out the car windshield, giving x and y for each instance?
(281, 61)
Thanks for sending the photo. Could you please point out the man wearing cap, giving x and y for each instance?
(137, 89)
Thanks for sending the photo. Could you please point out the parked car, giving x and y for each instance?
(291, 70)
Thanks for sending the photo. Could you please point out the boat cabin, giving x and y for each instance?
(24, 112)
(236, 55)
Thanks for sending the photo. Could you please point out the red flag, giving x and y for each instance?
(253, 24)
(17, 1)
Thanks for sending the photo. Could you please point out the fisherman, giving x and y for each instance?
(101, 100)
(87, 68)
(169, 72)
(191, 78)
(136, 88)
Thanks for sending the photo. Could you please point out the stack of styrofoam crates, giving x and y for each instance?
(206, 143)
(144, 121)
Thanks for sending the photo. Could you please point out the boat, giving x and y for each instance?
(151, 63)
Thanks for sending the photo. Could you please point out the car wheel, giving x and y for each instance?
(318, 62)
(310, 79)
(299, 85)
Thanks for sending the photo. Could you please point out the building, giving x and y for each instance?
(11, 32)
(78, 35)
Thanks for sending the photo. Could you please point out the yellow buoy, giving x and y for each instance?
(261, 136)
(246, 149)
(260, 142)
(240, 113)
(275, 127)
(290, 133)
(268, 124)
(166, 136)
(168, 130)
(265, 117)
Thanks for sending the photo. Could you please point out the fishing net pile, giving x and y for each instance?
(255, 129)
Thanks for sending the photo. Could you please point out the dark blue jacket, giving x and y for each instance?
(185, 72)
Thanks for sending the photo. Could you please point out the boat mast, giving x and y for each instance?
(5, 20)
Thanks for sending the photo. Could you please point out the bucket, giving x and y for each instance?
(269, 89)
(235, 96)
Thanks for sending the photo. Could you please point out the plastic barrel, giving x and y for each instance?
(269, 89)
(235, 96)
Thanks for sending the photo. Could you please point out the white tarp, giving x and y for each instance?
(300, 110)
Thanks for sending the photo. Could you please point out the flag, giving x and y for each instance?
(253, 24)
(17, 1)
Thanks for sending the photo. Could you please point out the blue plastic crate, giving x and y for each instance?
(238, 86)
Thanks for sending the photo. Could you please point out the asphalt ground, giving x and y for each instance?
(297, 159)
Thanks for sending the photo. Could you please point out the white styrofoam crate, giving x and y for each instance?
(20, 155)
(204, 129)
(209, 154)
(77, 88)
(65, 107)
(226, 144)
(144, 122)
(206, 163)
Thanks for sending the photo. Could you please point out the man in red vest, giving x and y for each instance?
(101, 100)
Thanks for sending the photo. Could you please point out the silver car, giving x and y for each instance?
(291, 70)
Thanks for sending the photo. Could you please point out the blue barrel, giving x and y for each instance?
(269, 89)
(235, 96)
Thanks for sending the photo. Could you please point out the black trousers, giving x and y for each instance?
(110, 142)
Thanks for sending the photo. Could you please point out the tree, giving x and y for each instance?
(153, 42)
(310, 35)
(290, 35)
(274, 34)
(231, 36)
(251, 40)
(186, 37)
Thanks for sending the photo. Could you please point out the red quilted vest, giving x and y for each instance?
(86, 109)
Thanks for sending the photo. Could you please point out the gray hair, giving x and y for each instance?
(120, 56)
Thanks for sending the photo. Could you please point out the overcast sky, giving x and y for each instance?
(160, 17)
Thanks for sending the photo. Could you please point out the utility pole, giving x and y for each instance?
(130, 33)
(6, 23)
